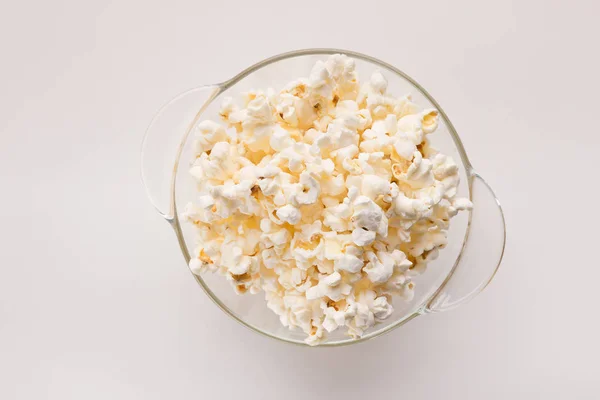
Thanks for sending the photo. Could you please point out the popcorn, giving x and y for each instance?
(289, 214)
(197, 266)
(363, 319)
(258, 124)
(344, 153)
(273, 235)
(405, 106)
(309, 190)
(270, 259)
(407, 208)
(315, 335)
(319, 81)
(208, 133)
(333, 319)
(378, 83)
(331, 287)
(363, 237)
(369, 216)
(280, 139)
(335, 244)
(337, 218)
(462, 204)
(429, 120)
(382, 265)
(326, 196)
(404, 146)
(333, 186)
(374, 186)
(341, 69)
(419, 173)
(378, 305)
(348, 263)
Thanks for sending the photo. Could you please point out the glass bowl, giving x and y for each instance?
(475, 239)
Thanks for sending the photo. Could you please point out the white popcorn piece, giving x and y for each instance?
(344, 153)
(378, 305)
(349, 111)
(342, 70)
(208, 133)
(322, 144)
(378, 83)
(377, 270)
(309, 194)
(429, 120)
(404, 146)
(462, 204)
(337, 218)
(376, 164)
(287, 110)
(270, 258)
(363, 319)
(310, 135)
(273, 235)
(280, 139)
(419, 173)
(309, 191)
(315, 335)
(333, 186)
(219, 165)
(443, 167)
(319, 81)
(197, 266)
(382, 265)
(349, 263)
(331, 287)
(370, 216)
(227, 107)
(426, 242)
(352, 167)
(306, 245)
(333, 319)
(289, 214)
(363, 237)
(334, 245)
(409, 209)
(380, 105)
(258, 124)
(405, 106)
(374, 186)
(411, 124)
(310, 232)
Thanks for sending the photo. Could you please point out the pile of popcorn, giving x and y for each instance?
(326, 196)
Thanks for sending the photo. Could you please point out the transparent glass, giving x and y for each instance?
(464, 267)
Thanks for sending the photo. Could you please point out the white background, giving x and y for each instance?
(95, 299)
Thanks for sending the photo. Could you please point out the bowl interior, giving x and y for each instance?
(275, 73)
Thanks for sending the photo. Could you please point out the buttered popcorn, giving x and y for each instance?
(326, 196)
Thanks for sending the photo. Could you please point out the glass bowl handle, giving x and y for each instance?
(164, 140)
(482, 251)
